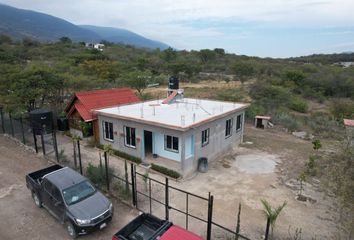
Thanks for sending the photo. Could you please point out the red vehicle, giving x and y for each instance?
(149, 227)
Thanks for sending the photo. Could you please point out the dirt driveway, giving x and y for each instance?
(20, 218)
(264, 167)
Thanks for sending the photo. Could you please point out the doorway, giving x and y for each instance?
(259, 123)
(148, 142)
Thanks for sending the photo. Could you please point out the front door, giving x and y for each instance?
(148, 143)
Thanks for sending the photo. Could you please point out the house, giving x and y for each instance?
(98, 46)
(79, 108)
(175, 132)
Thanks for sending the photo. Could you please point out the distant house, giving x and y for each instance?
(175, 132)
(349, 126)
(79, 108)
(98, 46)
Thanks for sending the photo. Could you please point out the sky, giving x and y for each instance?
(265, 28)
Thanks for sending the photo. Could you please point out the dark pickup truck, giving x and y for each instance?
(149, 227)
(70, 198)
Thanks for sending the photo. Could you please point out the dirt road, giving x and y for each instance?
(20, 218)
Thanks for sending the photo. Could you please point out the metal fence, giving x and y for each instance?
(146, 194)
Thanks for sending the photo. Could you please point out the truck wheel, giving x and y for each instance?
(36, 200)
(71, 229)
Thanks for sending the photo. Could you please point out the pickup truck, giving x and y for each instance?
(70, 198)
(149, 227)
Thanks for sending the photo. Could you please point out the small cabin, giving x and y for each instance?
(262, 121)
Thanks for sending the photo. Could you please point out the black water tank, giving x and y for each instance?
(173, 83)
(41, 121)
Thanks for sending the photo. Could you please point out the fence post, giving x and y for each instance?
(74, 153)
(12, 125)
(22, 131)
(2, 120)
(187, 211)
(43, 145)
(167, 216)
(267, 229)
(35, 140)
(106, 166)
(150, 196)
(79, 154)
(133, 183)
(210, 216)
(55, 145)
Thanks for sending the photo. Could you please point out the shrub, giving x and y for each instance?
(287, 121)
(342, 108)
(166, 171)
(255, 109)
(299, 105)
(123, 155)
(97, 174)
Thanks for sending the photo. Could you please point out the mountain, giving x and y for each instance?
(20, 23)
(119, 35)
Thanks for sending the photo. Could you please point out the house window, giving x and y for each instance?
(239, 123)
(130, 139)
(107, 130)
(205, 137)
(228, 128)
(171, 143)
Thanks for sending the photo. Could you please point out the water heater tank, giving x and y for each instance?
(41, 121)
(173, 83)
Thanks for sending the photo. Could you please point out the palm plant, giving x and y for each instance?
(272, 213)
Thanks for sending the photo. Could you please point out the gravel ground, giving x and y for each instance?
(20, 218)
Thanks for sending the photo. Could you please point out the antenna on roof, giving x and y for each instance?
(193, 117)
(142, 111)
(183, 120)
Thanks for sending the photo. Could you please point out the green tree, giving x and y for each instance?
(243, 70)
(272, 213)
(206, 55)
(138, 80)
(169, 54)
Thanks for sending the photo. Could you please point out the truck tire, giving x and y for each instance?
(36, 199)
(70, 228)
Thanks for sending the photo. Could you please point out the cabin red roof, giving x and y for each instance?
(176, 232)
(348, 122)
(85, 102)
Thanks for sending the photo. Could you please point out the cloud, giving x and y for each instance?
(199, 23)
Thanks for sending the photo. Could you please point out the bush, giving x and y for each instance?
(123, 155)
(97, 174)
(342, 108)
(166, 171)
(299, 105)
(255, 109)
(287, 121)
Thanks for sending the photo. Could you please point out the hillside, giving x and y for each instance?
(123, 36)
(20, 23)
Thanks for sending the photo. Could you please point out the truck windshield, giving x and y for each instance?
(78, 192)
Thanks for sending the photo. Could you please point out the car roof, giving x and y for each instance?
(64, 178)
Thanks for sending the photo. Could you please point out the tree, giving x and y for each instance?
(301, 178)
(206, 55)
(272, 213)
(138, 80)
(169, 54)
(243, 70)
(295, 76)
(65, 40)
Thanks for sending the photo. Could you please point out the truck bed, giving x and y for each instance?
(36, 177)
(144, 227)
